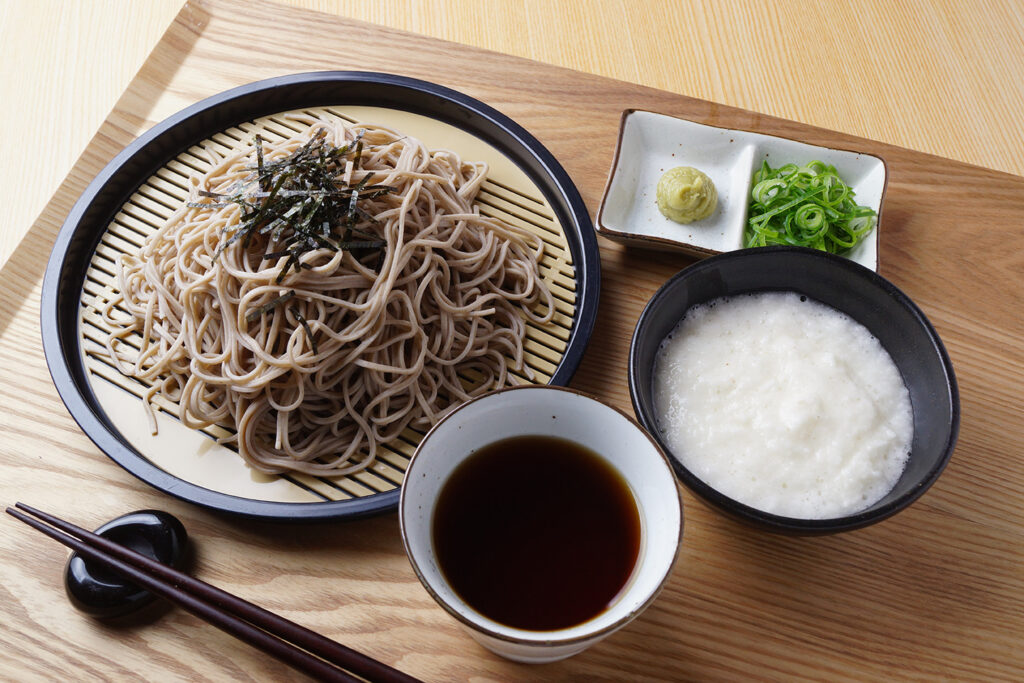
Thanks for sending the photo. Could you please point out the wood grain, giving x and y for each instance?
(940, 76)
(936, 592)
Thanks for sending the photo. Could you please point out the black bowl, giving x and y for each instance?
(868, 298)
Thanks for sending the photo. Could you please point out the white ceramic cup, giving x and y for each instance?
(568, 414)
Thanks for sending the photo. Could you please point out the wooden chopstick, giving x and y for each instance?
(293, 644)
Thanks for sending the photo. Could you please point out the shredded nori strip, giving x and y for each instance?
(301, 202)
(254, 315)
(366, 244)
(305, 326)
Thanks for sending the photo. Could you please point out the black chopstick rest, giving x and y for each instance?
(102, 593)
(294, 644)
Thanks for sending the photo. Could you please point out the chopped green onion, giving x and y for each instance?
(805, 206)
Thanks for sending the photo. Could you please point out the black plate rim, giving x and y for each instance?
(164, 140)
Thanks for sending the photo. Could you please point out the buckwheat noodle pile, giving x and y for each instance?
(318, 367)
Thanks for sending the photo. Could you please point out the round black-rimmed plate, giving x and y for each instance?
(68, 273)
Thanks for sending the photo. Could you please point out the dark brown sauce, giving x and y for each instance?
(536, 532)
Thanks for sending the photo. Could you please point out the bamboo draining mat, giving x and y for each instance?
(507, 194)
(934, 592)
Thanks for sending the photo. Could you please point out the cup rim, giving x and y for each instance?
(483, 628)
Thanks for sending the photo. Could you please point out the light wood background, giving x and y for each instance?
(945, 77)
(933, 593)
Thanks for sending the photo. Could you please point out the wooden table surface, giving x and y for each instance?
(943, 78)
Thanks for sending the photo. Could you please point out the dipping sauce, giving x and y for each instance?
(784, 404)
(536, 532)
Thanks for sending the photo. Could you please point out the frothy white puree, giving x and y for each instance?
(784, 404)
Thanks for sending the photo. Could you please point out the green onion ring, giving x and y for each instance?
(807, 206)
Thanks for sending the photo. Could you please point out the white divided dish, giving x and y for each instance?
(650, 144)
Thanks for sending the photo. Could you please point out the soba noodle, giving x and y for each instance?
(364, 348)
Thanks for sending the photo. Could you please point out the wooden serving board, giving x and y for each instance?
(935, 592)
